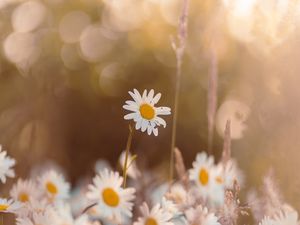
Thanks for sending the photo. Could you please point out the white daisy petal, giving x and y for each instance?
(156, 99)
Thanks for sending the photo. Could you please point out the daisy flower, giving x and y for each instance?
(24, 190)
(37, 219)
(54, 185)
(6, 164)
(208, 178)
(286, 216)
(155, 216)
(200, 215)
(267, 221)
(231, 174)
(9, 206)
(169, 206)
(63, 215)
(178, 194)
(113, 201)
(144, 113)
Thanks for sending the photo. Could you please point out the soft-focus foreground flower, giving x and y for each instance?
(24, 190)
(200, 215)
(9, 206)
(54, 185)
(113, 201)
(144, 113)
(208, 178)
(6, 164)
(283, 217)
(155, 216)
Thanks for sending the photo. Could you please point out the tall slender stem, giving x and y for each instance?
(179, 51)
(128, 146)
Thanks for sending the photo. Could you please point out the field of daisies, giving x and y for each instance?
(211, 190)
(205, 194)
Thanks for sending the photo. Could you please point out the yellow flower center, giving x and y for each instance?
(3, 207)
(203, 176)
(150, 221)
(23, 197)
(51, 188)
(147, 111)
(110, 197)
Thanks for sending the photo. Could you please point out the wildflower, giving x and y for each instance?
(155, 216)
(39, 205)
(6, 164)
(208, 178)
(178, 194)
(62, 215)
(144, 113)
(132, 170)
(24, 190)
(232, 174)
(283, 217)
(54, 185)
(45, 218)
(169, 206)
(9, 206)
(113, 201)
(201, 216)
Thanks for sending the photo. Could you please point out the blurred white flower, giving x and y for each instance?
(169, 206)
(144, 113)
(132, 169)
(155, 216)
(9, 206)
(24, 190)
(6, 164)
(232, 173)
(113, 201)
(208, 178)
(235, 111)
(54, 186)
(63, 215)
(200, 215)
(45, 218)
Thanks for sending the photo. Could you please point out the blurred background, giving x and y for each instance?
(66, 67)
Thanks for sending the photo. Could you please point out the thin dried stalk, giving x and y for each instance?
(227, 143)
(128, 146)
(212, 98)
(179, 51)
(180, 167)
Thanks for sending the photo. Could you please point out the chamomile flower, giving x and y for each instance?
(169, 206)
(267, 221)
(208, 178)
(231, 174)
(62, 216)
(178, 194)
(6, 164)
(45, 218)
(9, 206)
(200, 215)
(144, 113)
(54, 185)
(286, 216)
(155, 216)
(24, 190)
(113, 201)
